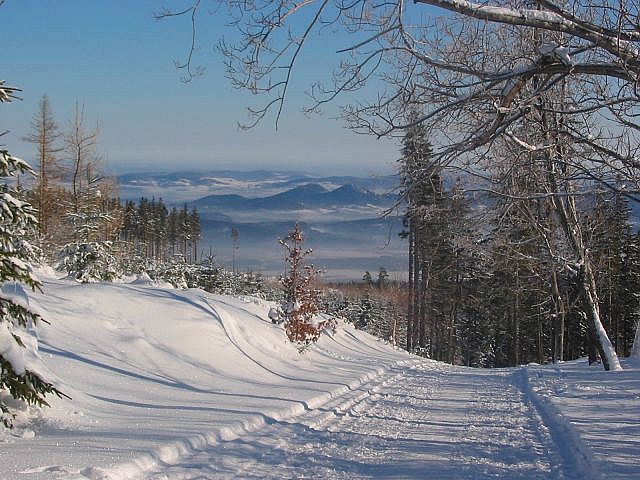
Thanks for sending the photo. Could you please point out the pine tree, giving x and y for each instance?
(17, 221)
(434, 221)
(383, 278)
(172, 231)
(235, 234)
(416, 179)
(183, 230)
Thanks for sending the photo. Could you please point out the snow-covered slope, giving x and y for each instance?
(171, 384)
(154, 371)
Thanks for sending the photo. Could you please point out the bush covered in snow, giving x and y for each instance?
(208, 275)
(89, 262)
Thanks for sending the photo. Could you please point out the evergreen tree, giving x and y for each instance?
(172, 231)
(235, 234)
(89, 262)
(437, 263)
(159, 234)
(17, 221)
(383, 278)
(417, 175)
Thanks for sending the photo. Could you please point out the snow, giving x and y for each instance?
(636, 343)
(20, 358)
(182, 384)
(11, 351)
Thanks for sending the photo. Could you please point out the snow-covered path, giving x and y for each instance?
(418, 421)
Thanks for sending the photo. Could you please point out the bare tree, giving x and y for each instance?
(93, 213)
(81, 144)
(45, 135)
(447, 62)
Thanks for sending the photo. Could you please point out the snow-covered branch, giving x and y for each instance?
(612, 41)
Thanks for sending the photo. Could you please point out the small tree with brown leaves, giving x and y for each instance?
(300, 304)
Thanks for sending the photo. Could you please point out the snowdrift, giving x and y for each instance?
(155, 372)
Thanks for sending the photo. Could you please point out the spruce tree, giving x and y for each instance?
(434, 221)
(416, 177)
(17, 221)
(195, 233)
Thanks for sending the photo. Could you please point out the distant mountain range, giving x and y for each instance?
(179, 187)
(307, 196)
(341, 216)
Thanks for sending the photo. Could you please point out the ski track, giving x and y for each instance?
(416, 421)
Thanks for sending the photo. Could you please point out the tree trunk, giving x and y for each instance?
(558, 321)
(418, 292)
(426, 320)
(566, 210)
(412, 290)
(635, 350)
(590, 304)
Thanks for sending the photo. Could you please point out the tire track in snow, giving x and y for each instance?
(501, 437)
(154, 464)
(553, 426)
(423, 420)
(264, 446)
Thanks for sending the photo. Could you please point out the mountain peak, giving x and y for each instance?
(309, 188)
(350, 188)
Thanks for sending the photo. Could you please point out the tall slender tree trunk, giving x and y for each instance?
(586, 282)
(559, 319)
(426, 316)
(418, 293)
(516, 326)
(635, 350)
(412, 289)
(604, 346)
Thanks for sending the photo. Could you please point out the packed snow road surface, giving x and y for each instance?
(421, 421)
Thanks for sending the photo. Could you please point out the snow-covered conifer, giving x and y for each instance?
(89, 262)
(176, 273)
(17, 221)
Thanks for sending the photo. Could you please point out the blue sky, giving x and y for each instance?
(111, 56)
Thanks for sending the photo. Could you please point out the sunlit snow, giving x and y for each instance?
(182, 384)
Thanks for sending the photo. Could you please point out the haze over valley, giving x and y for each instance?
(352, 223)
